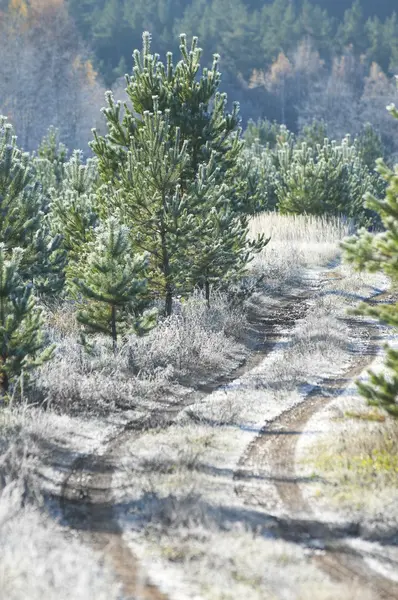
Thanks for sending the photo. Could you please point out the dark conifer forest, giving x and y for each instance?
(290, 61)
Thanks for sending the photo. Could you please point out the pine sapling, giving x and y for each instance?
(112, 282)
(153, 157)
(22, 344)
(379, 252)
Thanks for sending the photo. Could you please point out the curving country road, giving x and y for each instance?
(87, 497)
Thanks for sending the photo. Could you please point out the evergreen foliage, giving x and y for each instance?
(21, 199)
(22, 345)
(170, 163)
(330, 179)
(309, 174)
(314, 134)
(370, 146)
(379, 252)
(262, 132)
(259, 168)
(73, 207)
(112, 280)
(24, 208)
(222, 251)
(53, 152)
(149, 195)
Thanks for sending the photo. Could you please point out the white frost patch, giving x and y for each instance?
(201, 452)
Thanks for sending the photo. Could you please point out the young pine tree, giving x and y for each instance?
(370, 146)
(151, 160)
(72, 216)
(223, 250)
(22, 344)
(374, 252)
(21, 200)
(166, 220)
(50, 160)
(73, 213)
(196, 107)
(23, 208)
(112, 280)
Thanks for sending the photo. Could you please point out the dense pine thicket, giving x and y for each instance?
(161, 210)
(310, 174)
(162, 207)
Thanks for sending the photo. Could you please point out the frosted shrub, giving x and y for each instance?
(196, 341)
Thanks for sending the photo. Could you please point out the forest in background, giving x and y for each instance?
(283, 60)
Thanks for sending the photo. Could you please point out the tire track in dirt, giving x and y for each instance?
(271, 457)
(87, 507)
(86, 498)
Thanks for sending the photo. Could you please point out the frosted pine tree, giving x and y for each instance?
(175, 124)
(73, 204)
(195, 108)
(379, 252)
(72, 215)
(23, 208)
(111, 279)
(223, 251)
(22, 345)
(50, 160)
(21, 200)
(164, 219)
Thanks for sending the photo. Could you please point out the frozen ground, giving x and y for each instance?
(188, 489)
(197, 509)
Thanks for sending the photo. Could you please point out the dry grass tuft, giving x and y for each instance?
(194, 343)
(371, 415)
(186, 348)
(297, 242)
(354, 458)
(365, 459)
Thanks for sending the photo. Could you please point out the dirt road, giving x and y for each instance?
(271, 458)
(87, 495)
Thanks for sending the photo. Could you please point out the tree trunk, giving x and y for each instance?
(4, 383)
(166, 272)
(207, 289)
(169, 302)
(113, 325)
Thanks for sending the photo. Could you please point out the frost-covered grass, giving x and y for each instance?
(297, 242)
(353, 457)
(178, 480)
(191, 346)
(194, 345)
(184, 506)
(354, 460)
(37, 560)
